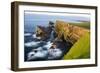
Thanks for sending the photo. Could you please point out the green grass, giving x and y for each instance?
(82, 24)
(80, 50)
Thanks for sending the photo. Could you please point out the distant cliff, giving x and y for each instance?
(69, 32)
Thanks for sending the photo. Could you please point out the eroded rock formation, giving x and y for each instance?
(69, 32)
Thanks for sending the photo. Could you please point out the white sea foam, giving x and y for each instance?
(39, 48)
(48, 45)
(27, 34)
(54, 53)
(34, 35)
(38, 38)
(29, 44)
(39, 54)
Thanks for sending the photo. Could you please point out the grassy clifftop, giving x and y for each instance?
(81, 49)
(82, 24)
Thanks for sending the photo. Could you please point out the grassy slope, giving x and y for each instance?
(82, 24)
(81, 49)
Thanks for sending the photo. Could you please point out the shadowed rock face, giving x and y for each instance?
(69, 32)
(64, 46)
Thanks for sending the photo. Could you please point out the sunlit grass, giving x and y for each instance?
(81, 49)
(82, 24)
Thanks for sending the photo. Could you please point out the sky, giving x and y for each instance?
(31, 19)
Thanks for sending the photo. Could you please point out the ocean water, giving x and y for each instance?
(37, 50)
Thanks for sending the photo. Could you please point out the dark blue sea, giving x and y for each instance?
(37, 50)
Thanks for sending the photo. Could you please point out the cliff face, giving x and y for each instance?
(69, 32)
